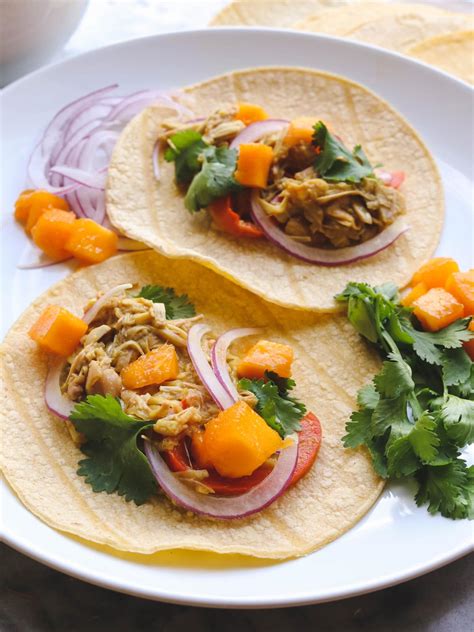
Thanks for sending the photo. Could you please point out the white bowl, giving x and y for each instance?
(32, 31)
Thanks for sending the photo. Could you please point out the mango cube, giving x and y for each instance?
(437, 309)
(266, 356)
(238, 441)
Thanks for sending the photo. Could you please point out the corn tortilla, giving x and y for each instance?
(281, 13)
(395, 26)
(452, 52)
(154, 212)
(39, 459)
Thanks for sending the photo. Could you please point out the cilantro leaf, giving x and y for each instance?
(401, 458)
(215, 180)
(284, 384)
(376, 447)
(390, 413)
(281, 412)
(335, 162)
(185, 148)
(447, 489)
(419, 443)
(176, 306)
(456, 366)
(425, 343)
(424, 439)
(367, 397)
(457, 415)
(395, 378)
(114, 463)
(359, 428)
(419, 410)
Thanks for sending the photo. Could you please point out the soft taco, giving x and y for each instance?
(394, 25)
(116, 371)
(290, 182)
(452, 52)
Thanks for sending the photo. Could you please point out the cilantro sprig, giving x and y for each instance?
(281, 411)
(114, 462)
(418, 412)
(335, 162)
(176, 306)
(208, 170)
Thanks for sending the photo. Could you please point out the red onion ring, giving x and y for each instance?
(203, 368)
(321, 256)
(255, 131)
(156, 160)
(56, 402)
(91, 313)
(33, 258)
(91, 180)
(219, 357)
(256, 499)
(82, 134)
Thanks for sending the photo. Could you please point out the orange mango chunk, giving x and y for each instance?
(90, 242)
(58, 331)
(266, 356)
(155, 367)
(249, 113)
(253, 165)
(300, 129)
(51, 232)
(469, 345)
(461, 286)
(36, 203)
(437, 309)
(435, 272)
(198, 452)
(22, 206)
(238, 441)
(414, 293)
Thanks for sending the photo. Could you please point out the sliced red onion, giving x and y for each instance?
(92, 312)
(156, 160)
(124, 243)
(55, 400)
(203, 368)
(56, 128)
(321, 256)
(33, 258)
(92, 180)
(219, 357)
(225, 508)
(72, 157)
(255, 131)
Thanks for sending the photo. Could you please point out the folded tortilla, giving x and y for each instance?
(153, 211)
(394, 25)
(452, 52)
(272, 12)
(39, 459)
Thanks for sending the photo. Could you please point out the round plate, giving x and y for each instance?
(396, 540)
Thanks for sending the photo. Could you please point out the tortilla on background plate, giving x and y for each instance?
(452, 52)
(272, 12)
(393, 25)
(154, 212)
(39, 459)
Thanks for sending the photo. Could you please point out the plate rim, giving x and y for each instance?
(225, 603)
(28, 547)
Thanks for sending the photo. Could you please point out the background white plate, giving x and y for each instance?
(396, 540)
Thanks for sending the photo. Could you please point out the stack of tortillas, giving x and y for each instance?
(435, 35)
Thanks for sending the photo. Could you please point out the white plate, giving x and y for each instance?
(396, 540)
